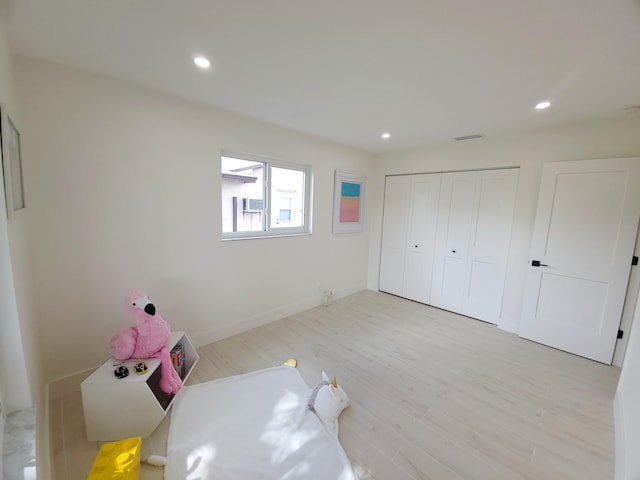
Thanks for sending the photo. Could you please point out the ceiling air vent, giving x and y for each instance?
(469, 137)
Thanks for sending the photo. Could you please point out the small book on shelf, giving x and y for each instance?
(177, 359)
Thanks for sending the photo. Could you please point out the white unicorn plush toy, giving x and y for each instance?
(327, 401)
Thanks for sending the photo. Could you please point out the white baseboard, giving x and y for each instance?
(620, 438)
(200, 339)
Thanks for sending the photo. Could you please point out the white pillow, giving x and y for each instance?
(328, 400)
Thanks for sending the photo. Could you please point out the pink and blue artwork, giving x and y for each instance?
(350, 202)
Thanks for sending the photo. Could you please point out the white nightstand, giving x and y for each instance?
(132, 406)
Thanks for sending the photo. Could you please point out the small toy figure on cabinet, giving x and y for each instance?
(121, 370)
(140, 367)
(147, 339)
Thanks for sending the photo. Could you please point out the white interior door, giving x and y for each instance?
(394, 234)
(421, 235)
(582, 245)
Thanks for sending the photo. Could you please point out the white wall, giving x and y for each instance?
(21, 381)
(15, 389)
(124, 192)
(525, 150)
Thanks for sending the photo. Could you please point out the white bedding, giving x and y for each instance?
(251, 426)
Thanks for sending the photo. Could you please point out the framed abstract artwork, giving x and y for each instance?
(11, 163)
(348, 202)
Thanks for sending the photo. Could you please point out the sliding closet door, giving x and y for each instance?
(394, 233)
(421, 236)
(472, 244)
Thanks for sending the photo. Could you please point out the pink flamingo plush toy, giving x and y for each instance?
(147, 339)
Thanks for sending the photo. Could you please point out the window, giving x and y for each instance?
(264, 198)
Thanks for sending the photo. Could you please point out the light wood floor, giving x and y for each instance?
(434, 395)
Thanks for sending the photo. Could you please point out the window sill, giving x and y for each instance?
(266, 235)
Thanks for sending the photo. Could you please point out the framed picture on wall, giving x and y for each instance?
(11, 163)
(348, 202)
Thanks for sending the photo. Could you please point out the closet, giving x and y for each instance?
(445, 239)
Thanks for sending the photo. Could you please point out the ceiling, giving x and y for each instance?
(349, 70)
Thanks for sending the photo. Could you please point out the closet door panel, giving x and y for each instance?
(455, 214)
(425, 195)
(481, 290)
(394, 234)
(489, 243)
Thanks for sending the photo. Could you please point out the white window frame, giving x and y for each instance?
(269, 232)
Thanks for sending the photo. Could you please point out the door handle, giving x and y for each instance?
(536, 263)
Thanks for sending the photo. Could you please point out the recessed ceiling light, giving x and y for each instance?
(386, 135)
(202, 62)
(543, 105)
